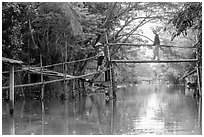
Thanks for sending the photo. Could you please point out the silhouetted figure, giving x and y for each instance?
(157, 46)
(100, 56)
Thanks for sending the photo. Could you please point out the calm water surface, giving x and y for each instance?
(141, 109)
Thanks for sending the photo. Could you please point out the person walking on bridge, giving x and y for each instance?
(157, 46)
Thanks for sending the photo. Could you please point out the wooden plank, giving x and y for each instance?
(142, 45)
(12, 61)
(154, 61)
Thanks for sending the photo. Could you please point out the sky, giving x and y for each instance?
(148, 32)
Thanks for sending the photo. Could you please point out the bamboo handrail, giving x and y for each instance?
(188, 74)
(19, 70)
(140, 45)
(46, 72)
(12, 61)
(57, 64)
(57, 80)
(154, 61)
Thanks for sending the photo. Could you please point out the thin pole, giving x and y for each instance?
(107, 74)
(29, 81)
(113, 82)
(111, 70)
(58, 80)
(198, 79)
(65, 70)
(41, 69)
(11, 86)
(198, 72)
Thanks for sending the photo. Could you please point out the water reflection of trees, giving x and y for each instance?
(135, 109)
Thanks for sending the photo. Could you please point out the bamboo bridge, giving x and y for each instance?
(42, 70)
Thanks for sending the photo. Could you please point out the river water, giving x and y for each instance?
(139, 109)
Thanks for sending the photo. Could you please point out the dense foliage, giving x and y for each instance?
(33, 29)
(188, 21)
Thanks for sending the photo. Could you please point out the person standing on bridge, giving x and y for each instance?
(100, 56)
(157, 46)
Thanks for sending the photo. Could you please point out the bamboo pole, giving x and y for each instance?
(108, 57)
(41, 77)
(198, 73)
(65, 70)
(57, 80)
(107, 54)
(11, 86)
(147, 45)
(198, 79)
(154, 61)
(52, 73)
(113, 82)
(57, 64)
(111, 72)
(188, 74)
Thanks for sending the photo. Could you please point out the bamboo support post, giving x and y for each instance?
(12, 63)
(113, 82)
(29, 81)
(198, 72)
(41, 76)
(111, 72)
(198, 79)
(11, 93)
(65, 69)
(107, 73)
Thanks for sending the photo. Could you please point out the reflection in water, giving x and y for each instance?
(141, 109)
(149, 120)
(43, 115)
(12, 129)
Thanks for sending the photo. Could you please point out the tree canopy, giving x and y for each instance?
(47, 28)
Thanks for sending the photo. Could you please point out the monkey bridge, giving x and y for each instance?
(109, 70)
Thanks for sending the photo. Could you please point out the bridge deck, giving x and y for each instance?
(154, 61)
